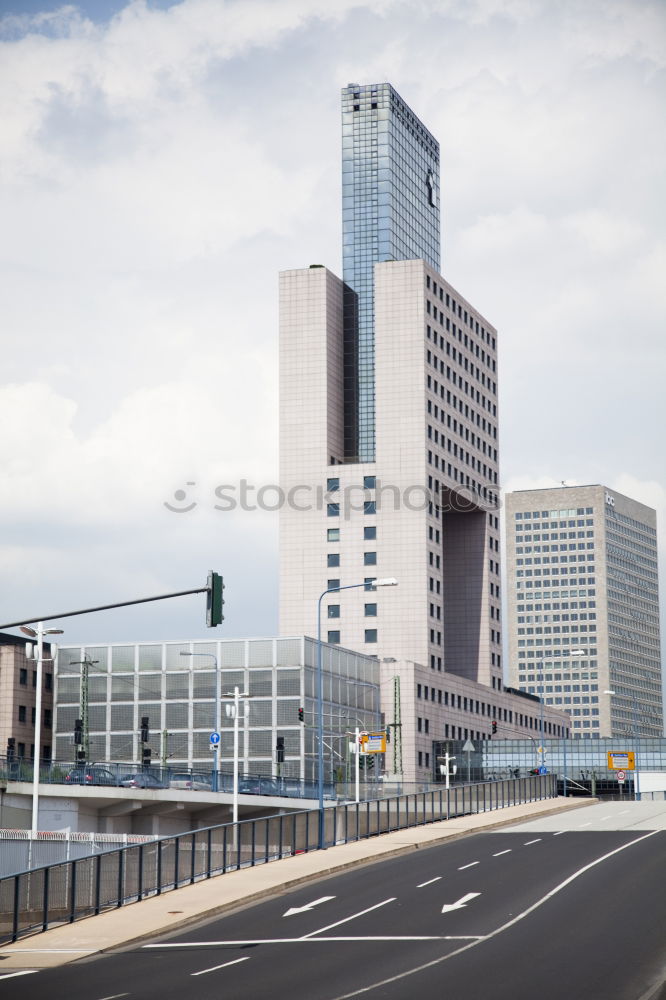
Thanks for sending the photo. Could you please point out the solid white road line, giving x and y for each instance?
(347, 919)
(319, 940)
(528, 842)
(498, 930)
(25, 972)
(559, 833)
(216, 967)
(470, 865)
(500, 853)
(423, 884)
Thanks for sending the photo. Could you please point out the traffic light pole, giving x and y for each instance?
(213, 588)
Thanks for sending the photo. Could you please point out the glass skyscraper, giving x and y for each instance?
(390, 211)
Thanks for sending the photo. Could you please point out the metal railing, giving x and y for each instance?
(34, 901)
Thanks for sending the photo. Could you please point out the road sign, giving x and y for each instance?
(214, 739)
(469, 747)
(621, 760)
(620, 775)
(543, 770)
(373, 742)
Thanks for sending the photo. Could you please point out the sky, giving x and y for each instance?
(161, 162)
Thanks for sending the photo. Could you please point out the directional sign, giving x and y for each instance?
(214, 739)
(462, 902)
(620, 775)
(622, 760)
(469, 747)
(308, 906)
(543, 770)
(373, 742)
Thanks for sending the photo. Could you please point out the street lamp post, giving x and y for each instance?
(542, 662)
(388, 582)
(39, 632)
(218, 719)
(235, 708)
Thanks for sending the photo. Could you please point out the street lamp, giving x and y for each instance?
(542, 661)
(218, 719)
(386, 582)
(235, 708)
(38, 633)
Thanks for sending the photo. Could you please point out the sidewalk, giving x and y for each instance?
(174, 910)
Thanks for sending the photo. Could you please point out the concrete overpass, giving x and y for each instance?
(150, 812)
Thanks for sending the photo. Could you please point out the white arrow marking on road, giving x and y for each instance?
(308, 906)
(463, 901)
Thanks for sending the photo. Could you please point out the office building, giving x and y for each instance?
(18, 700)
(583, 611)
(389, 429)
(180, 687)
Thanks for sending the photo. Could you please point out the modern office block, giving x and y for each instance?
(18, 699)
(179, 686)
(583, 611)
(389, 457)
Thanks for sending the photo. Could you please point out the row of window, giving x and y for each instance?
(573, 512)
(466, 317)
(23, 716)
(469, 390)
(334, 636)
(23, 679)
(457, 358)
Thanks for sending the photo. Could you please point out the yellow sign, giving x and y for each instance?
(373, 742)
(621, 760)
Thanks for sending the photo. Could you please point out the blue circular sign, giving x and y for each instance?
(214, 738)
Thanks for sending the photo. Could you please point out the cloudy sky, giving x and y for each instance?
(162, 161)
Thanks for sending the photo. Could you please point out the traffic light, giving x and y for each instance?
(145, 726)
(279, 749)
(146, 754)
(80, 755)
(494, 727)
(214, 600)
(301, 715)
(11, 749)
(78, 732)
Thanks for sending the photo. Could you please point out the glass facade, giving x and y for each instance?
(390, 211)
(179, 694)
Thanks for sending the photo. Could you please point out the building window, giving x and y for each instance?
(419, 724)
(332, 559)
(369, 507)
(20, 750)
(48, 682)
(332, 485)
(371, 635)
(420, 758)
(369, 558)
(334, 637)
(47, 718)
(333, 509)
(333, 535)
(369, 533)
(332, 584)
(369, 582)
(334, 611)
(22, 713)
(34, 678)
(369, 482)
(23, 676)
(370, 610)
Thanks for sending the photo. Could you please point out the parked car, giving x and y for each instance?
(142, 779)
(194, 782)
(91, 775)
(258, 786)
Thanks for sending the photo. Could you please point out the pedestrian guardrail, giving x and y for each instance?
(34, 901)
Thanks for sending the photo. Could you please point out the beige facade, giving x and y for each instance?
(425, 512)
(18, 695)
(582, 608)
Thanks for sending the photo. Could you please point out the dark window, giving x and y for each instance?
(332, 584)
(334, 637)
(333, 509)
(34, 678)
(369, 482)
(47, 718)
(370, 533)
(334, 611)
(370, 610)
(332, 485)
(48, 682)
(22, 716)
(369, 507)
(371, 635)
(23, 676)
(333, 559)
(369, 558)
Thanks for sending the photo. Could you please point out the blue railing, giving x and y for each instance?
(31, 902)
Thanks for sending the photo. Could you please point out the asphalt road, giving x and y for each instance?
(508, 915)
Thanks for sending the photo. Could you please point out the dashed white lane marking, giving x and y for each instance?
(347, 919)
(430, 882)
(470, 865)
(500, 853)
(559, 833)
(214, 968)
(498, 930)
(24, 972)
(528, 842)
